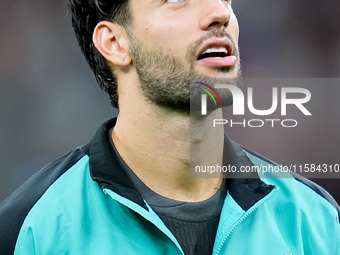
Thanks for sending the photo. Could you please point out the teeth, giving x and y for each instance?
(216, 50)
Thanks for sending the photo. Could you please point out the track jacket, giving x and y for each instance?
(85, 203)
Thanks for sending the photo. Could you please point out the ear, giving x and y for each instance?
(111, 41)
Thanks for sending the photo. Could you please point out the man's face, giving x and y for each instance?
(173, 42)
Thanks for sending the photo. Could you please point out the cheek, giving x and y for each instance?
(161, 36)
(233, 28)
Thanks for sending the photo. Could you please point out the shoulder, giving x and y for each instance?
(297, 189)
(302, 209)
(15, 209)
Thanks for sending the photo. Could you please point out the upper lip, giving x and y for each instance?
(217, 42)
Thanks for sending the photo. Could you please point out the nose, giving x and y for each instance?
(215, 14)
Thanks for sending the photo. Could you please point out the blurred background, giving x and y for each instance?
(50, 102)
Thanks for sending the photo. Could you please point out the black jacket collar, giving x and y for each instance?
(105, 169)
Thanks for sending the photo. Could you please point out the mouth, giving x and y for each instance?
(217, 52)
(213, 52)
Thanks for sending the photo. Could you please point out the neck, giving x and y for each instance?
(160, 145)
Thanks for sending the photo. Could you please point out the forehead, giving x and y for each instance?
(139, 5)
(143, 6)
(147, 11)
(178, 14)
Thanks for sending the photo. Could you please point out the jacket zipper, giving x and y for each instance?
(250, 211)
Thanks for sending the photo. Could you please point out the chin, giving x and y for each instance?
(221, 72)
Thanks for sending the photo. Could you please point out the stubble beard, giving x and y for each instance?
(167, 82)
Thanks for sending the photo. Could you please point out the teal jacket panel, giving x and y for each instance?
(75, 216)
(85, 203)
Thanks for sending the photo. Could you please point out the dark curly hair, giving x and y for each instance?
(85, 15)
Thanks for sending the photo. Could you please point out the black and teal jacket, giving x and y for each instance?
(85, 203)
